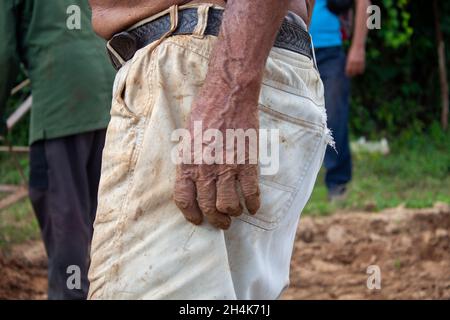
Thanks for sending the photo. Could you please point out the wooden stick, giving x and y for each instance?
(20, 86)
(14, 198)
(19, 113)
(15, 149)
(442, 66)
(8, 188)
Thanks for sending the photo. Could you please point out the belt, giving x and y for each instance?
(125, 44)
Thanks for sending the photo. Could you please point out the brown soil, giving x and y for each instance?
(23, 272)
(331, 257)
(411, 248)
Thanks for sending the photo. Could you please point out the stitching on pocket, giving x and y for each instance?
(260, 221)
(301, 122)
(288, 89)
(189, 46)
(276, 185)
(119, 98)
(122, 89)
(284, 56)
(139, 127)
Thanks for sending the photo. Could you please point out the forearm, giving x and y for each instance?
(229, 100)
(248, 31)
(310, 8)
(360, 30)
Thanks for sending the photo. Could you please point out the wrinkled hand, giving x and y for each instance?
(211, 191)
(356, 61)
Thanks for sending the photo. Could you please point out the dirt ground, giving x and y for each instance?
(331, 257)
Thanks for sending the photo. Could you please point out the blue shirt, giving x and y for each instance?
(325, 27)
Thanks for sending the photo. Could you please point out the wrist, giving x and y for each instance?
(358, 46)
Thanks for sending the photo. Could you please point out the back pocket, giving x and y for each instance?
(298, 142)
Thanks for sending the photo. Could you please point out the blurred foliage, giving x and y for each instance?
(399, 94)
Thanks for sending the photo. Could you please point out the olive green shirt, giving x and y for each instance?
(71, 77)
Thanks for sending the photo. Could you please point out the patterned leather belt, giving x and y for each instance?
(125, 44)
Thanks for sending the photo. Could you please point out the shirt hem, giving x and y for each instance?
(46, 134)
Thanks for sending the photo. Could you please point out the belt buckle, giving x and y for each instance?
(122, 48)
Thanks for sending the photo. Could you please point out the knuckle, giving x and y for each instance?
(223, 207)
(197, 220)
(250, 189)
(181, 204)
(183, 199)
(208, 210)
(229, 208)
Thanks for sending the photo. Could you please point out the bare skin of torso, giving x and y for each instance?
(112, 16)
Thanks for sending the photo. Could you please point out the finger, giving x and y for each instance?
(249, 181)
(355, 68)
(350, 70)
(227, 197)
(185, 197)
(206, 198)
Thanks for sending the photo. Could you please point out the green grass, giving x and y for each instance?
(8, 172)
(17, 223)
(416, 174)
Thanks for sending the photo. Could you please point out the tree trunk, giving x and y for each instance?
(442, 66)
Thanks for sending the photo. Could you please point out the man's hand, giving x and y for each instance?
(356, 61)
(229, 100)
(212, 190)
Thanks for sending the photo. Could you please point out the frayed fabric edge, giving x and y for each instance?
(329, 140)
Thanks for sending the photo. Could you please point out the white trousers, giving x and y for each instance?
(143, 248)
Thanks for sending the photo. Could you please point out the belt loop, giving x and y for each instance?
(173, 19)
(113, 53)
(314, 54)
(173, 26)
(202, 20)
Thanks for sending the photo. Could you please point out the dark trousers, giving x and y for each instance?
(331, 63)
(64, 178)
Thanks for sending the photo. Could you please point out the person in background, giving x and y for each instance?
(335, 69)
(71, 82)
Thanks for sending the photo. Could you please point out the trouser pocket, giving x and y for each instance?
(294, 121)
